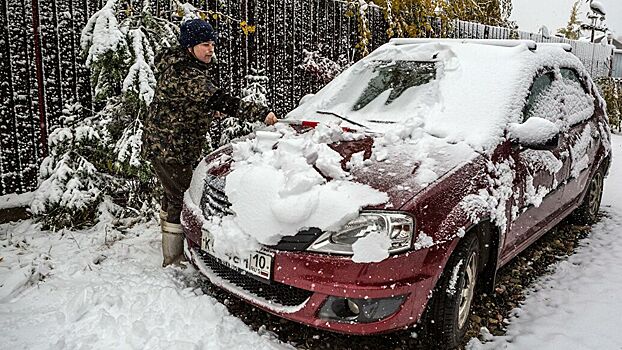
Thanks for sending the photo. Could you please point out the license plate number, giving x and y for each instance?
(257, 263)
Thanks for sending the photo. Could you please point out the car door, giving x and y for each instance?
(540, 174)
(582, 134)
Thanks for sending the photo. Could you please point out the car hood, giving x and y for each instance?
(401, 170)
(405, 170)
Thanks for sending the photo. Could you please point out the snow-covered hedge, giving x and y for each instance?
(611, 89)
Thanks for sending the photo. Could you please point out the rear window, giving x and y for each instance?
(396, 76)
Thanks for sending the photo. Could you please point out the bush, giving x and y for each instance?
(611, 90)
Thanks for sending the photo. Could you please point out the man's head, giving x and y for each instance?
(199, 38)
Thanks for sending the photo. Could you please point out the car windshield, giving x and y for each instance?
(396, 76)
(377, 92)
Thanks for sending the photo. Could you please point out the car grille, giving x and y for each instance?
(214, 201)
(274, 292)
(300, 241)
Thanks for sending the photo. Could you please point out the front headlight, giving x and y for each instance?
(399, 227)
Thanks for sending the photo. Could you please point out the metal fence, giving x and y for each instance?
(41, 66)
(597, 58)
(616, 70)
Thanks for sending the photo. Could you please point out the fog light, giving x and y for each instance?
(359, 310)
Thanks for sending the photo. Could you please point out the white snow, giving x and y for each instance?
(275, 189)
(578, 306)
(102, 33)
(598, 6)
(443, 107)
(534, 130)
(451, 289)
(372, 248)
(101, 289)
(16, 200)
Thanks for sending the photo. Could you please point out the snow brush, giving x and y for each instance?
(313, 125)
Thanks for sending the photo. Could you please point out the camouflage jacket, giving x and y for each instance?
(181, 111)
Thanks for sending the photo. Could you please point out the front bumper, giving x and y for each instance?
(302, 283)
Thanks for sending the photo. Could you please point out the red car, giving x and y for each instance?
(481, 146)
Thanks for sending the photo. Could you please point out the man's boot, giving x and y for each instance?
(163, 215)
(172, 244)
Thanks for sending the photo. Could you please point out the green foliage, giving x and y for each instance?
(611, 90)
(422, 18)
(572, 30)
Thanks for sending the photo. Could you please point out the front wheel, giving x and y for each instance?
(450, 307)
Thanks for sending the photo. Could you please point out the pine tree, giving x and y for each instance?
(572, 30)
(97, 159)
(71, 186)
(254, 92)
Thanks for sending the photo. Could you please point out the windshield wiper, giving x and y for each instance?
(381, 121)
(342, 118)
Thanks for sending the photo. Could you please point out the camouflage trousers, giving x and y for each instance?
(175, 179)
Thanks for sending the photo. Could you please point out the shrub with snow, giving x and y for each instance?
(98, 157)
(611, 89)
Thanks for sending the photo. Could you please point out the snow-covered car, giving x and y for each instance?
(397, 191)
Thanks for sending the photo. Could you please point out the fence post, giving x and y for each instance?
(40, 85)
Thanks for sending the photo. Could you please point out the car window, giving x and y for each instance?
(570, 74)
(560, 99)
(540, 85)
(396, 76)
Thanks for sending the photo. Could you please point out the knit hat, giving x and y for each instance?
(196, 31)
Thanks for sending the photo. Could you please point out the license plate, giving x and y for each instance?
(256, 263)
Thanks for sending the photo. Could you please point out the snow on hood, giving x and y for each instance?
(478, 89)
(281, 182)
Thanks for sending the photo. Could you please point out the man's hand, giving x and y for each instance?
(271, 119)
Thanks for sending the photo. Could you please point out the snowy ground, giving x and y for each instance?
(98, 290)
(102, 289)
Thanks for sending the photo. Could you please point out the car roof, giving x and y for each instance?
(481, 86)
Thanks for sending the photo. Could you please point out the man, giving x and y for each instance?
(186, 99)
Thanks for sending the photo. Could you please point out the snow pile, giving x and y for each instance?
(534, 131)
(372, 248)
(12, 200)
(275, 189)
(477, 91)
(103, 289)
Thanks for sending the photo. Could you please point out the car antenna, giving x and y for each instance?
(342, 118)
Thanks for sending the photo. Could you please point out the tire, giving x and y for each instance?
(450, 307)
(587, 212)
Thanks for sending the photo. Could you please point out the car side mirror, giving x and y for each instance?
(535, 133)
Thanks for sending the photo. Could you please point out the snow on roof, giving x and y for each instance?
(478, 88)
